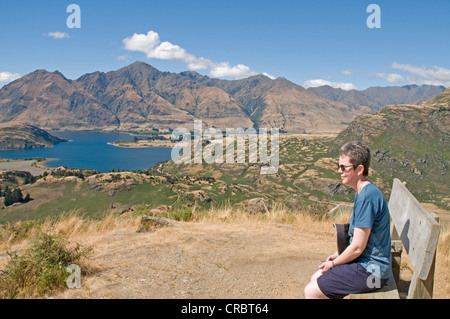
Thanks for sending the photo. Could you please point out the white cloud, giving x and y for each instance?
(57, 35)
(347, 72)
(269, 76)
(8, 76)
(424, 75)
(390, 77)
(336, 85)
(153, 48)
(200, 64)
(151, 45)
(125, 58)
(224, 69)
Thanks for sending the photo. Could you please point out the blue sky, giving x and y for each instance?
(307, 42)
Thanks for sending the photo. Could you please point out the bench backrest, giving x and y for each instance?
(417, 228)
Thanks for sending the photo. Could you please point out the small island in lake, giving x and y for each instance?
(147, 139)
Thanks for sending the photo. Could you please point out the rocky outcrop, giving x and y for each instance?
(258, 206)
(151, 223)
(112, 183)
(198, 195)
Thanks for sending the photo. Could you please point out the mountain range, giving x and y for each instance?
(377, 97)
(140, 97)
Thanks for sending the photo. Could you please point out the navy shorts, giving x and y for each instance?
(342, 280)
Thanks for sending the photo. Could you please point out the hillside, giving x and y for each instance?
(21, 136)
(306, 179)
(410, 142)
(139, 96)
(376, 97)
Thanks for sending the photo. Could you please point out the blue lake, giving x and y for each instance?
(87, 149)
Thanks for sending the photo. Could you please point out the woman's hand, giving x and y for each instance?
(332, 257)
(325, 266)
(352, 252)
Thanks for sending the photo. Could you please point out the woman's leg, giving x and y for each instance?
(312, 290)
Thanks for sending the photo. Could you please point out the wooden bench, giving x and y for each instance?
(416, 231)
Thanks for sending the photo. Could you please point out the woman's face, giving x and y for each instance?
(349, 176)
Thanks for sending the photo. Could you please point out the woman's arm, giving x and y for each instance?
(359, 242)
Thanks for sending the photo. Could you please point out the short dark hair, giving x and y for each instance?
(358, 153)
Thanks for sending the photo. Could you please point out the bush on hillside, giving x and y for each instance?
(41, 268)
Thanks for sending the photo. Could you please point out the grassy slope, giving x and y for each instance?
(408, 142)
(55, 198)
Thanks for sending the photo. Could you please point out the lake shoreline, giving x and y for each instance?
(43, 163)
(93, 150)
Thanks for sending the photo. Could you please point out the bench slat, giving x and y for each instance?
(387, 292)
(416, 227)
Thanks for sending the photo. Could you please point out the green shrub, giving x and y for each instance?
(180, 214)
(41, 268)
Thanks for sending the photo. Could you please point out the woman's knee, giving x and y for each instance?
(308, 291)
(312, 291)
(315, 275)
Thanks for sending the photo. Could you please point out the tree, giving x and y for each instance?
(13, 196)
(8, 197)
(28, 179)
(17, 195)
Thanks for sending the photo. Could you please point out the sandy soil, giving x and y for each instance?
(203, 260)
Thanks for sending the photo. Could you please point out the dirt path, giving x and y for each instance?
(203, 260)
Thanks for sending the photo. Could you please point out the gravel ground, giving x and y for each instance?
(204, 260)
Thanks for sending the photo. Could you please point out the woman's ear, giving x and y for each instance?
(360, 170)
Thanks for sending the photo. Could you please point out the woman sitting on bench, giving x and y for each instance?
(367, 259)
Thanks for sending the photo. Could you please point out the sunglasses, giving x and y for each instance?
(343, 168)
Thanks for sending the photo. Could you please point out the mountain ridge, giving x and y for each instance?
(377, 97)
(140, 97)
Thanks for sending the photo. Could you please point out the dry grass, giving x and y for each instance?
(74, 227)
(442, 276)
(69, 225)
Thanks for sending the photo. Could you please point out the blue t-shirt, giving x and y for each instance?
(370, 210)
